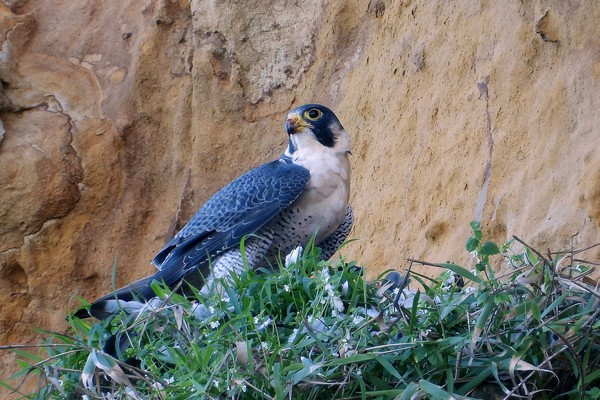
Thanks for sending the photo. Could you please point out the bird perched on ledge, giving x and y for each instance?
(281, 205)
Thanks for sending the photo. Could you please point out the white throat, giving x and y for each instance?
(306, 144)
(328, 190)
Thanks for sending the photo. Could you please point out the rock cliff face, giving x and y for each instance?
(119, 119)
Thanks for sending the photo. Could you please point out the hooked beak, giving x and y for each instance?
(295, 123)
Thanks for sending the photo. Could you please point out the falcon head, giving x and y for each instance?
(315, 125)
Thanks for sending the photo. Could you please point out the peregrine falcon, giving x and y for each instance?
(275, 207)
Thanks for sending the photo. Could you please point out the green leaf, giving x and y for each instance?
(535, 311)
(589, 378)
(159, 289)
(555, 304)
(517, 364)
(409, 393)
(308, 369)
(355, 359)
(389, 367)
(489, 249)
(483, 319)
(476, 228)
(25, 354)
(531, 256)
(472, 244)
(276, 380)
(450, 379)
(234, 300)
(387, 393)
(434, 390)
(413, 312)
(457, 269)
(475, 381)
(87, 375)
(363, 387)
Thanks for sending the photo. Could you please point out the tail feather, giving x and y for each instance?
(130, 298)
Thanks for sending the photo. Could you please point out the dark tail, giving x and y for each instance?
(128, 298)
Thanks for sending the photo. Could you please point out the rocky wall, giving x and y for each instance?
(120, 118)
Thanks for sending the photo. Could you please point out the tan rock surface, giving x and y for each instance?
(120, 118)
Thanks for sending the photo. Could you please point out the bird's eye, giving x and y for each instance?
(313, 114)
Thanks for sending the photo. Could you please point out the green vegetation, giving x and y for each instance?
(317, 330)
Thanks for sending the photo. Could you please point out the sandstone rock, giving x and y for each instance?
(120, 119)
(41, 173)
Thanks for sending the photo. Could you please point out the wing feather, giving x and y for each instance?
(239, 209)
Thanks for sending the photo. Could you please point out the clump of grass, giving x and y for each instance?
(319, 330)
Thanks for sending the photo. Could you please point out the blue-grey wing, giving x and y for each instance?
(239, 209)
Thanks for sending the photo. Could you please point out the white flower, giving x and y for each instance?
(325, 274)
(337, 303)
(316, 325)
(266, 323)
(264, 345)
(292, 337)
(345, 288)
(211, 309)
(214, 324)
(131, 393)
(286, 288)
(373, 312)
(260, 326)
(293, 256)
(241, 384)
(346, 350)
(158, 386)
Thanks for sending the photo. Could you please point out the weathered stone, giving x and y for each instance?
(119, 120)
(41, 172)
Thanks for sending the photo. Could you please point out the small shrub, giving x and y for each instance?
(319, 330)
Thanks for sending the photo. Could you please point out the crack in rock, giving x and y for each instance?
(483, 87)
